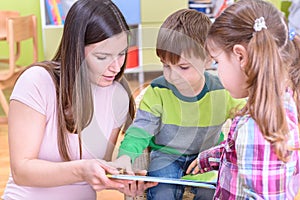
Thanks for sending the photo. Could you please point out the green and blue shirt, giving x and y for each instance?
(172, 123)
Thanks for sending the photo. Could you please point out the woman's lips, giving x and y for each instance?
(109, 78)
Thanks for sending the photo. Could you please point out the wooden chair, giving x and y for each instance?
(14, 29)
(4, 15)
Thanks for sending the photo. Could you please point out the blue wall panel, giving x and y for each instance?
(130, 9)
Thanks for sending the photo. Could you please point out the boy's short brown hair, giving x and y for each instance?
(184, 31)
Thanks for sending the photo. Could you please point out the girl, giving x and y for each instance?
(250, 42)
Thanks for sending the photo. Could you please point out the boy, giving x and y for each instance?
(182, 112)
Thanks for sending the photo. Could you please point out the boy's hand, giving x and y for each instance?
(138, 187)
(124, 164)
(193, 168)
(135, 187)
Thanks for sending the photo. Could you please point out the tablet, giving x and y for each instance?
(210, 185)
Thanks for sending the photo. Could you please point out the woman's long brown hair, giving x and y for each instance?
(87, 22)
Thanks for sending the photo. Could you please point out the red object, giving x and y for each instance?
(132, 57)
(223, 7)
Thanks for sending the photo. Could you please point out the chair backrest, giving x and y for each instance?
(139, 93)
(4, 15)
(19, 29)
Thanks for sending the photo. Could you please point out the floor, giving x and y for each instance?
(4, 154)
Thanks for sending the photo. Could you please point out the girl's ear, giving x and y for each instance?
(241, 54)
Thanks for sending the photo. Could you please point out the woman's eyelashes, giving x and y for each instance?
(101, 58)
(104, 57)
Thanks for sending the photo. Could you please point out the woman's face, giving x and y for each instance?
(105, 59)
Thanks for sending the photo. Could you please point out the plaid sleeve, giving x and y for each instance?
(261, 173)
(210, 159)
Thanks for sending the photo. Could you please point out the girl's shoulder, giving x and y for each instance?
(241, 124)
(239, 121)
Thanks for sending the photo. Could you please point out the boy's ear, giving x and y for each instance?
(241, 54)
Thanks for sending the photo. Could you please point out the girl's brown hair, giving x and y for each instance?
(184, 31)
(293, 51)
(87, 22)
(266, 70)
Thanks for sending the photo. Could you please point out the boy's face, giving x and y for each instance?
(187, 75)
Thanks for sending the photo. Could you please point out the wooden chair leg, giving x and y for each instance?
(3, 120)
(3, 102)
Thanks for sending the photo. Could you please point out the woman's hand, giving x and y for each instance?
(94, 172)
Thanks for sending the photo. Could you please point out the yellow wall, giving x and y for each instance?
(277, 3)
(153, 13)
(25, 7)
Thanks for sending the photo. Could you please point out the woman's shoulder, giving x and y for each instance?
(37, 70)
(35, 88)
(36, 74)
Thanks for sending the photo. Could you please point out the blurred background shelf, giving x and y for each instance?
(143, 16)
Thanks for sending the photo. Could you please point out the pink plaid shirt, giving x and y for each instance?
(248, 166)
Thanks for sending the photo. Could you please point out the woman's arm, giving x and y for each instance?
(26, 131)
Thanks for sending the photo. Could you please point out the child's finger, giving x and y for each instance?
(140, 172)
(191, 167)
(196, 170)
(108, 168)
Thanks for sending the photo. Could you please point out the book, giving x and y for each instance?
(49, 12)
(210, 183)
(54, 12)
(210, 176)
